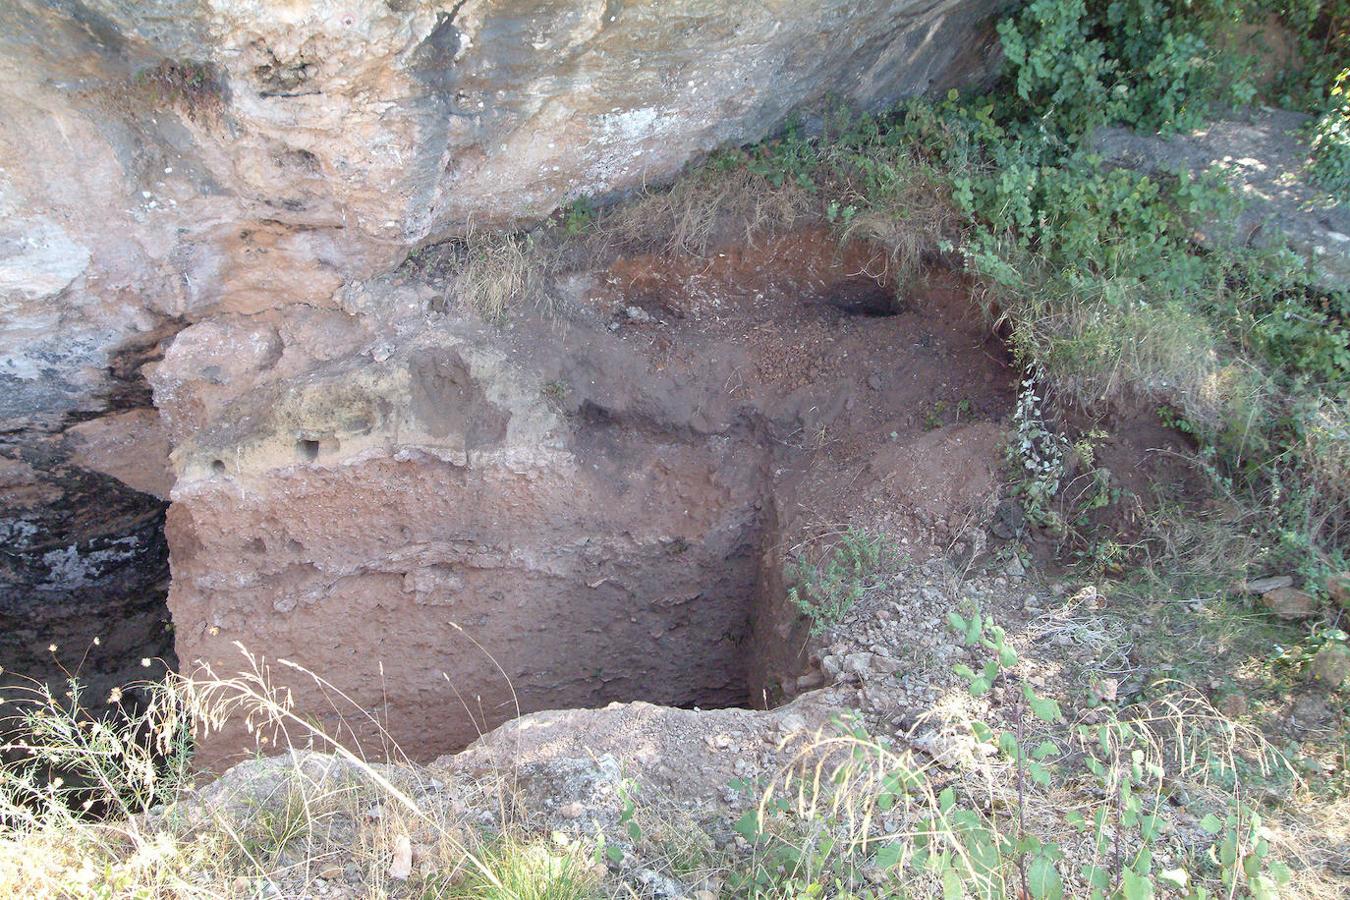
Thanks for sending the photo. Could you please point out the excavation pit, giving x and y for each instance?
(573, 510)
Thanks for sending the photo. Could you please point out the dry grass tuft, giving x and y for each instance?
(701, 210)
(909, 216)
(125, 821)
(492, 272)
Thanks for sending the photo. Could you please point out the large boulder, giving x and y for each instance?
(1263, 155)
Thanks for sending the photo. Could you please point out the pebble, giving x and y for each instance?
(858, 663)
(810, 681)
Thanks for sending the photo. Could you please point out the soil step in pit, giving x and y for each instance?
(570, 511)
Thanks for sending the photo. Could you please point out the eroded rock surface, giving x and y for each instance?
(182, 157)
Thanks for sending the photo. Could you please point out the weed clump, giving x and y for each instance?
(723, 199)
(492, 272)
(193, 87)
(825, 593)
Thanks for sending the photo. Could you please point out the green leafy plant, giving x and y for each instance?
(1241, 853)
(1152, 64)
(1128, 755)
(578, 216)
(1037, 455)
(1331, 141)
(825, 593)
(932, 417)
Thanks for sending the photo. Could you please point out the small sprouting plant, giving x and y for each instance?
(932, 419)
(578, 216)
(825, 593)
(554, 392)
(1174, 420)
(192, 86)
(1038, 454)
(839, 215)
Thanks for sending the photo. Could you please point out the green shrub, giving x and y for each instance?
(1331, 141)
(1150, 64)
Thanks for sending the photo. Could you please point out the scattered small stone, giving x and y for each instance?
(858, 663)
(810, 681)
(1106, 690)
(400, 867)
(885, 665)
(573, 810)
(1290, 603)
(874, 381)
(1014, 568)
(1309, 713)
(638, 314)
(661, 886)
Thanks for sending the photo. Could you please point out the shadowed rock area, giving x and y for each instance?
(1264, 157)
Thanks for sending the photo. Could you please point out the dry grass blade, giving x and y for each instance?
(281, 821)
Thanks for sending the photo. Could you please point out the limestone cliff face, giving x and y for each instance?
(209, 164)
